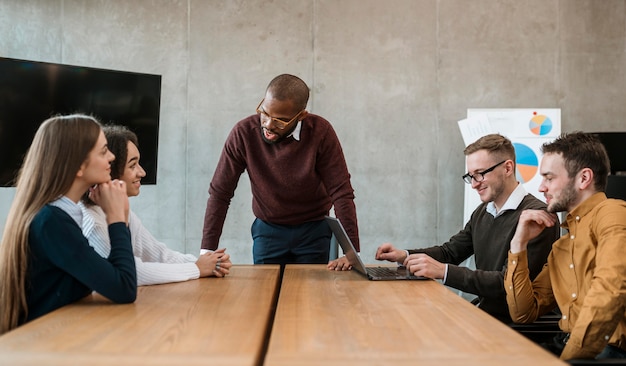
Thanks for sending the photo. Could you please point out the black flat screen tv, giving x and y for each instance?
(31, 92)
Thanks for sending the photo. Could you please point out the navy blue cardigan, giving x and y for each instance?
(63, 268)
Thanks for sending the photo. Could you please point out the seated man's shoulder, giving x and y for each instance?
(532, 202)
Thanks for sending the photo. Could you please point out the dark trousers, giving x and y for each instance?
(610, 352)
(286, 244)
(559, 341)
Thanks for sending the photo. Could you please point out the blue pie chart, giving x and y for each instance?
(526, 161)
(540, 125)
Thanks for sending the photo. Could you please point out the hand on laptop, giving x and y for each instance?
(387, 252)
(340, 264)
(422, 265)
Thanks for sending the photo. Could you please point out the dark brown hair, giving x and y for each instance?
(117, 140)
(582, 150)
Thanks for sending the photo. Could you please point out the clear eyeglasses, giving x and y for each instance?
(280, 123)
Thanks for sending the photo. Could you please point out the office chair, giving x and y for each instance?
(616, 187)
(542, 330)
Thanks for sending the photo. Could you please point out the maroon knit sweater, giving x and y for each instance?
(292, 182)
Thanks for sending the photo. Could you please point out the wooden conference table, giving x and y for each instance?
(209, 321)
(321, 317)
(340, 318)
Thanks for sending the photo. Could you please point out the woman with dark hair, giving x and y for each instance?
(45, 261)
(155, 262)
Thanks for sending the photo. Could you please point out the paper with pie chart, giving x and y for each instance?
(527, 162)
(527, 128)
(540, 125)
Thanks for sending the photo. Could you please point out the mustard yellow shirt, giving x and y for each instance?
(585, 276)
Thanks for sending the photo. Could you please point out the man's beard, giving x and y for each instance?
(280, 138)
(568, 196)
(496, 189)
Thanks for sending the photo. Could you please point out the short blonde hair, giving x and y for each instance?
(496, 144)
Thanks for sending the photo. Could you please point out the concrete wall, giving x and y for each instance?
(393, 77)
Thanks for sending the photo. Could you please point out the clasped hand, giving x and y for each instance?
(530, 224)
(215, 263)
(113, 199)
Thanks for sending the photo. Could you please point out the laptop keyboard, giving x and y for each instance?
(382, 271)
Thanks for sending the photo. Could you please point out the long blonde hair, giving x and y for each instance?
(59, 148)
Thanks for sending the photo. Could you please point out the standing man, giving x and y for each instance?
(491, 165)
(297, 173)
(586, 271)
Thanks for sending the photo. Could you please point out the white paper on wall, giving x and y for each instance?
(528, 129)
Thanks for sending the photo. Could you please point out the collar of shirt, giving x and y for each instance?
(70, 208)
(296, 131)
(511, 203)
(88, 221)
(584, 208)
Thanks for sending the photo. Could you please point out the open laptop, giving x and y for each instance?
(372, 273)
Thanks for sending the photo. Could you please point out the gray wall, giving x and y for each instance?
(393, 76)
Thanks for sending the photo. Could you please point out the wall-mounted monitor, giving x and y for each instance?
(31, 92)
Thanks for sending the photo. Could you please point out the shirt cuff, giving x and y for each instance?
(445, 274)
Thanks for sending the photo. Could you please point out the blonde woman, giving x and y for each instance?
(45, 261)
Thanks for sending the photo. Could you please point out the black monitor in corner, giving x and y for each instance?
(31, 92)
(615, 144)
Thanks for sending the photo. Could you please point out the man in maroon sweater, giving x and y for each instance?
(297, 173)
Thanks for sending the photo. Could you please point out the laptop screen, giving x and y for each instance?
(346, 244)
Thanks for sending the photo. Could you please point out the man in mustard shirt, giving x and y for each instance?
(586, 271)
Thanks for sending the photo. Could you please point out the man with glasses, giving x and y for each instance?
(491, 172)
(297, 173)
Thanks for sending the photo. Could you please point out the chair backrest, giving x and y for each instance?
(616, 187)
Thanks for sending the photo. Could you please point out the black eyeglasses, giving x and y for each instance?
(480, 176)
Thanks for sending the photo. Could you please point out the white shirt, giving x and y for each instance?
(512, 203)
(71, 208)
(296, 131)
(155, 262)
